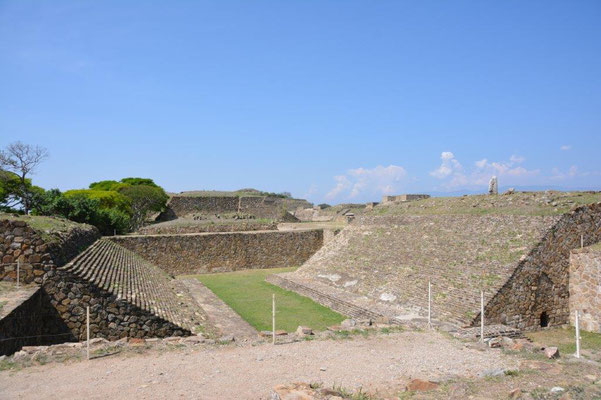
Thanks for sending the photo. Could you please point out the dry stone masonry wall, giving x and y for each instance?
(38, 252)
(34, 322)
(259, 206)
(127, 296)
(218, 252)
(585, 287)
(537, 293)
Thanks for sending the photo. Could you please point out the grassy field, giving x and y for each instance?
(250, 296)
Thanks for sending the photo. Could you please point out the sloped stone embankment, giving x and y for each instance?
(127, 296)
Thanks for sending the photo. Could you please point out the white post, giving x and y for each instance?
(577, 334)
(429, 304)
(273, 319)
(88, 330)
(482, 316)
(18, 271)
(581, 241)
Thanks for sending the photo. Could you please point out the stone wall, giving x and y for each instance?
(404, 197)
(32, 323)
(38, 251)
(110, 317)
(585, 287)
(172, 228)
(537, 293)
(259, 206)
(217, 252)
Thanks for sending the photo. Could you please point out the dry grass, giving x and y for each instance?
(521, 203)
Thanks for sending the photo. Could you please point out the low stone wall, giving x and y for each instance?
(34, 322)
(175, 229)
(218, 252)
(259, 206)
(38, 253)
(537, 293)
(585, 287)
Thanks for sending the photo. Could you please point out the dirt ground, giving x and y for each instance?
(378, 364)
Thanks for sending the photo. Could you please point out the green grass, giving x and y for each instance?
(247, 293)
(564, 339)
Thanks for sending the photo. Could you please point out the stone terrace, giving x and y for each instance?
(515, 246)
(390, 259)
(128, 295)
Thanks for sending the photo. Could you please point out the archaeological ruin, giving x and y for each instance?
(523, 250)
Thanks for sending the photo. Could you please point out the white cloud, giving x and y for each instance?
(447, 167)
(456, 176)
(368, 181)
(565, 147)
(342, 184)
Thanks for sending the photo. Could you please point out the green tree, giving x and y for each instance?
(145, 200)
(104, 185)
(22, 160)
(107, 199)
(80, 207)
(139, 181)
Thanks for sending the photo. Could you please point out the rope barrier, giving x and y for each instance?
(36, 336)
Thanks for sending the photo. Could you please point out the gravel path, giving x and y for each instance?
(250, 372)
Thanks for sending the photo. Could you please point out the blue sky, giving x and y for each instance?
(331, 100)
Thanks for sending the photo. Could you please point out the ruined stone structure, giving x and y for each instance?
(404, 197)
(516, 248)
(493, 186)
(167, 228)
(218, 252)
(127, 296)
(585, 287)
(265, 207)
(537, 292)
(39, 251)
(30, 320)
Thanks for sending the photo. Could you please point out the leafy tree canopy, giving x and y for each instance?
(104, 185)
(107, 199)
(139, 181)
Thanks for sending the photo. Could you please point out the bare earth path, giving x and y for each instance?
(250, 372)
(219, 313)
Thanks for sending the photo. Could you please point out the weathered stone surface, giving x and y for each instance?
(54, 248)
(516, 247)
(217, 252)
(266, 207)
(551, 352)
(304, 331)
(585, 287)
(493, 186)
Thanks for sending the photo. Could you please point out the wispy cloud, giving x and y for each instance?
(368, 181)
(565, 147)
